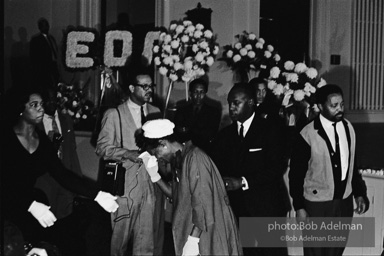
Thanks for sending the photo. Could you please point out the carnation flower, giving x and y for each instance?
(229, 54)
(292, 77)
(185, 38)
(175, 44)
(199, 26)
(167, 39)
(321, 83)
(199, 57)
(167, 48)
(251, 54)
(172, 27)
(197, 34)
(236, 58)
(277, 57)
(270, 48)
(252, 36)
(278, 90)
(167, 60)
(275, 72)
(298, 95)
(238, 46)
(259, 45)
(300, 68)
(188, 64)
(156, 49)
(210, 61)
(243, 51)
(190, 29)
(248, 47)
(187, 23)
(195, 48)
(179, 29)
(267, 54)
(208, 34)
(204, 45)
(177, 66)
(173, 77)
(289, 65)
(216, 50)
(163, 71)
(261, 40)
(311, 73)
(271, 84)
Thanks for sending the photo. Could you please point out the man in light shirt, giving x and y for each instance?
(141, 213)
(322, 178)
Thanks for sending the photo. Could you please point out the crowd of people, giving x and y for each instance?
(212, 177)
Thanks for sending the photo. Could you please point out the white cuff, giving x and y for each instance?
(244, 184)
(193, 239)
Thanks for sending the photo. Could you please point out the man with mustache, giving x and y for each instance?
(322, 177)
(249, 154)
(141, 207)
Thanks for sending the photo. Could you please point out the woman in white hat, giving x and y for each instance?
(203, 221)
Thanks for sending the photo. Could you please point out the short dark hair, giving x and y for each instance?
(15, 100)
(41, 21)
(257, 80)
(196, 82)
(242, 87)
(148, 144)
(137, 71)
(323, 92)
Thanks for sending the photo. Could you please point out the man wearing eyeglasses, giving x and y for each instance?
(141, 213)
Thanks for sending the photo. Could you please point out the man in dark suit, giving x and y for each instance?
(44, 53)
(197, 121)
(250, 156)
(59, 128)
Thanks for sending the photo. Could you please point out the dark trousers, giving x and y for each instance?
(334, 208)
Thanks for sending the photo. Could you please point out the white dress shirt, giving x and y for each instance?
(136, 111)
(47, 121)
(246, 126)
(343, 142)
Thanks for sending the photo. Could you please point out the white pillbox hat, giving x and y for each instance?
(159, 128)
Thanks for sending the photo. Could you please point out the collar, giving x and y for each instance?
(325, 122)
(46, 116)
(133, 105)
(247, 122)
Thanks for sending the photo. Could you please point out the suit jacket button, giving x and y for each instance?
(314, 191)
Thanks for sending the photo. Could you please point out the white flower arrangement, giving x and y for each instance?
(250, 53)
(294, 81)
(185, 51)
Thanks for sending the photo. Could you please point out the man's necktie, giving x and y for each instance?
(56, 138)
(337, 148)
(143, 118)
(241, 133)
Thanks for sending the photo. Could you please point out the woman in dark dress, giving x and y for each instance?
(27, 154)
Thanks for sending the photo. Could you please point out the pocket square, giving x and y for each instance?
(255, 149)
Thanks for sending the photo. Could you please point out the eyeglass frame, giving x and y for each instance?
(145, 87)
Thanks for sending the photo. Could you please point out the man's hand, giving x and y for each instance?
(232, 183)
(42, 213)
(132, 155)
(107, 201)
(191, 247)
(360, 205)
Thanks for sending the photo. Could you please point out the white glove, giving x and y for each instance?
(107, 201)
(37, 251)
(151, 166)
(42, 213)
(191, 247)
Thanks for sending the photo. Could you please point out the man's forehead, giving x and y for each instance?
(238, 94)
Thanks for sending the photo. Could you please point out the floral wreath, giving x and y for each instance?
(295, 80)
(250, 53)
(185, 51)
